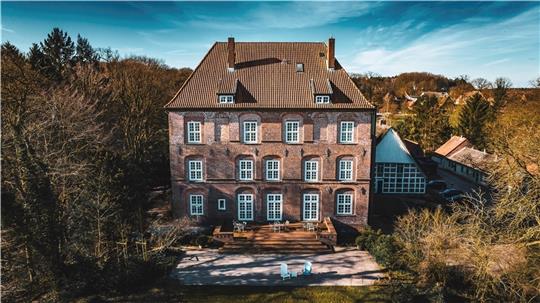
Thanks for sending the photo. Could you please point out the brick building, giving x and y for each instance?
(265, 131)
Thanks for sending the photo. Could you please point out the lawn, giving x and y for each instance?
(174, 292)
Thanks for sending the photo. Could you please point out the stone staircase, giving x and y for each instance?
(263, 240)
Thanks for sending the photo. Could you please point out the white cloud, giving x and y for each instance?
(5, 29)
(496, 49)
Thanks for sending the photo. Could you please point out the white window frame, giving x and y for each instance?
(344, 201)
(245, 170)
(311, 200)
(272, 170)
(345, 172)
(249, 132)
(274, 213)
(194, 132)
(322, 99)
(311, 171)
(294, 134)
(226, 99)
(195, 170)
(346, 132)
(196, 205)
(222, 204)
(245, 212)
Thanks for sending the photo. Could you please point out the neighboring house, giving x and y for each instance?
(459, 157)
(396, 171)
(266, 131)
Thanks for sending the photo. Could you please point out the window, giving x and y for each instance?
(246, 170)
(345, 170)
(274, 207)
(221, 204)
(195, 172)
(399, 178)
(245, 207)
(322, 99)
(250, 132)
(196, 205)
(311, 171)
(226, 99)
(194, 132)
(272, 170)
(311, 207)
(344, 204)
(346, 132)
(299, 67)
(292, 131)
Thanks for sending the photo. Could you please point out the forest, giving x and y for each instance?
(84, 141)
(85, 144)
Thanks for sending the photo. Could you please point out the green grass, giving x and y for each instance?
(174, 292)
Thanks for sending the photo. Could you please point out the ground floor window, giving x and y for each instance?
(344, 204)
(310, 207)
(245, 207)
(196, 205)
(399, 178)
(222, 204)
(274, 206)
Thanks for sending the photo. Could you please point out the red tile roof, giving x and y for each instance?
(265, 76)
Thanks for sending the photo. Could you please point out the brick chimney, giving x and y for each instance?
(231, 54)
(331, 53)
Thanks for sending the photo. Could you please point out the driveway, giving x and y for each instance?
(346, 267)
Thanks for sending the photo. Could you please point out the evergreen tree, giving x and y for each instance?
(500, 92)
(429, 123)
(473, 119)
(58, 50)
(36, 58)
(85, 54)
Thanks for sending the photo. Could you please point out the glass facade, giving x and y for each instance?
(399, 178)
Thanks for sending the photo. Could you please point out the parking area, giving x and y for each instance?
(345, 267)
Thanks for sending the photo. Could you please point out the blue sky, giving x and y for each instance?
(480, 39)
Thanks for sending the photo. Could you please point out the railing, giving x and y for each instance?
(328, 236)
(222, 236)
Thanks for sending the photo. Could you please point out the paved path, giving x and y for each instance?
(346, 267)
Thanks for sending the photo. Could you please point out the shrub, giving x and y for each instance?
(203, 240)
(383, 247)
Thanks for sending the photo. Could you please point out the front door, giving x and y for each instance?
(245, 207)
(274, 208)
(311, 207)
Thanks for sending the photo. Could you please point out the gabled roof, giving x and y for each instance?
(452, 145)
(391, 149)
(472, 157)
(265, 76)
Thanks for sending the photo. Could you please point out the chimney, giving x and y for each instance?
(231, 54)
(331, 53)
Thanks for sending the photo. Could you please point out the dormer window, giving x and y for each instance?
(226, 99)
(322, 99)
(299, 67)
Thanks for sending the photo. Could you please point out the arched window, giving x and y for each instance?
(292, 129)
(250, 125)
(272, 168)
(312, 169)
(345, 202)
(194, 168)
(245, 168)
(345, 168)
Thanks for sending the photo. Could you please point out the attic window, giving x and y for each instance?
(322, 99)
(226, 99)
(299, 67)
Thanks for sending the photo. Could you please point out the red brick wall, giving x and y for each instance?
(221, 148)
